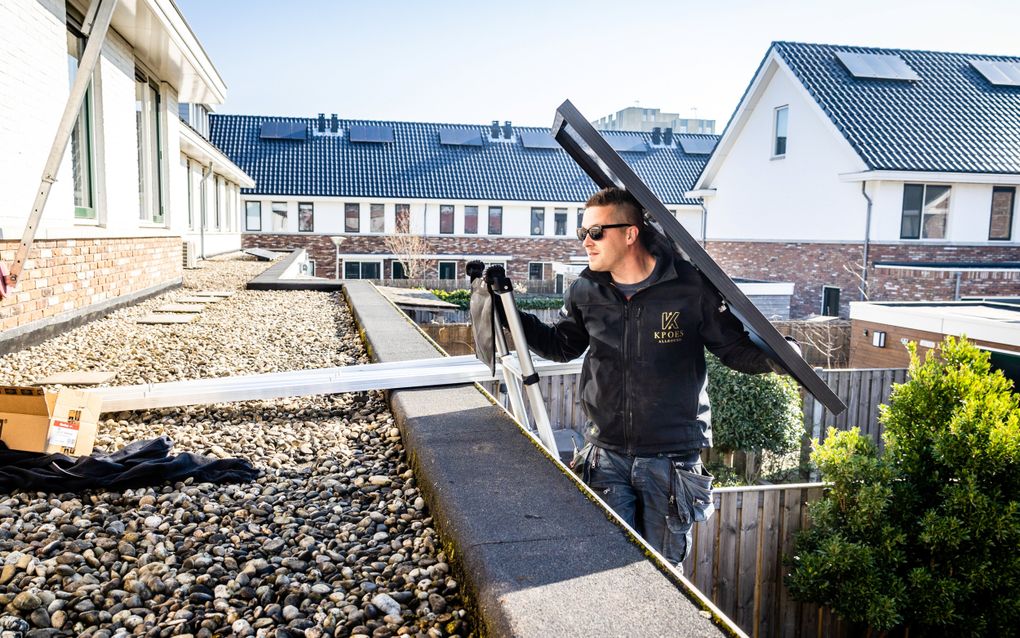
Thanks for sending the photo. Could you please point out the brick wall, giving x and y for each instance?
(523, 249)
(67, 275)
(889, 284)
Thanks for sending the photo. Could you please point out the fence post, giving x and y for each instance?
(816, 425)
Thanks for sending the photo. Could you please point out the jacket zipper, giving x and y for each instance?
(627, 421)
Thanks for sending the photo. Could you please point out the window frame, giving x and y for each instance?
(533, 264)
(538, 221)
(439, 269)
(87, 166)
(922, 215)
(498, 211)
(472, 228)
(361, 263)
(350, 207)
(300, 221)
(776, 138)
(447, 219)
(1010, 213)
(558, 214)
(286, 212)
(377, 212)
(402, 218)
(247, 216)
(826, 287)
(151, 134)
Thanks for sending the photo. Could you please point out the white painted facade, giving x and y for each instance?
(149, 37)
(812, 193)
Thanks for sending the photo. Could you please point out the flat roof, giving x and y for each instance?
(992, 322)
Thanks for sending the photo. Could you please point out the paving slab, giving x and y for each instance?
(214, 293)
(181, 307)
(77, 377)
(188, 300)
(166, 318)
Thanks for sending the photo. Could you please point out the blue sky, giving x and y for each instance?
(473, 62)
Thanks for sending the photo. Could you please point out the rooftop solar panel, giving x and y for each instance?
(878, 66)
(698, 145)
(538, 139)
(371, 133)
(460, 137)
(283, 131)
(627, 143)
(998, 73)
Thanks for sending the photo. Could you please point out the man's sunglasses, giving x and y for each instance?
(597, 231)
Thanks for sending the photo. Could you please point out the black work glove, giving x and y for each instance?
(495, 277)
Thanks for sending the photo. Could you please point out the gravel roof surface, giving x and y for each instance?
(333, 539)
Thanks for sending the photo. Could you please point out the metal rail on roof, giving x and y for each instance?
(373, 376)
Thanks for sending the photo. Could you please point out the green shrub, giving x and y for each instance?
(460, 297)
(463, 299)
(753, 412)
(926, 536)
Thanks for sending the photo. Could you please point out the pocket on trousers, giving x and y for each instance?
(694, 492)
(579, 464)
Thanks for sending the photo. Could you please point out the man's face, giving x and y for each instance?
(607, 253)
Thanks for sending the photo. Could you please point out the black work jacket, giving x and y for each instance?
(644, 380)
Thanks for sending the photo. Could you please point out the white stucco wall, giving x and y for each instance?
(797, 197)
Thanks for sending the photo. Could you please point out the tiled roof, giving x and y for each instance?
(951, 120)
(415, 165)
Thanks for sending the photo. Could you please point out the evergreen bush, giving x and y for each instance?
(926, 536)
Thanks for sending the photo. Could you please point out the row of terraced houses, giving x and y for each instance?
(843, 172)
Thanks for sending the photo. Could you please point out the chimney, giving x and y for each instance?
(667, 137)
(656, 136)
(334, 124)
(321, 126)
(508, 130)
(494, 130)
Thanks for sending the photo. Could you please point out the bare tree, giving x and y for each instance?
(411, 250)
(857, 270)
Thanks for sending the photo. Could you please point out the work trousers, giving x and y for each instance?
(661, 496)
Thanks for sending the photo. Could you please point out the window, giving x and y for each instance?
(186, 165)
(560, 219)
(218, 198)
(925, 210)
(580, 217)
(830, 301)
(310, 271)
(305, 217)
(397, 268)
(495, 220)
(376, 218)
(82, 137)
(280, 216)
(536, 271)
(447, 270)
(352, 218)
(253, 215)
(446, 219)
(537, 221)
(782, 114)
(362, 269)
(471, 220)
(402, 214)
(1001, 224)
(149, 127)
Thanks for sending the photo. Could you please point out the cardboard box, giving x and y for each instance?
(34, 420)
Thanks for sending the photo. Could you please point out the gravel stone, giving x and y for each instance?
(333, 539)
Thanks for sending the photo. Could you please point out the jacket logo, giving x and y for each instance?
(671, 332)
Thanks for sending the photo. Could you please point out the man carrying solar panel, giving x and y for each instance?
(645, 318)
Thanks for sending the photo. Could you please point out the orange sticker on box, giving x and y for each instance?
(63, 433)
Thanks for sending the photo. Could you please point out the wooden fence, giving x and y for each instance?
(737, 561)
(533, 286)
(863, 391)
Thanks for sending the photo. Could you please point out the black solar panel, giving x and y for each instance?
(283, 131)
(370, 133)
(460, 137)
(627, 143)
(537, 139)
(697, 145)
(879, 66)
(998, 73)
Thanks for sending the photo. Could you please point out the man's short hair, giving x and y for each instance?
(628, 209)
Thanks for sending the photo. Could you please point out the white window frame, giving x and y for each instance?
(247, 226)
(152, 158)
(775, 131)
(821, 308)
(275, 213)
(536, 263)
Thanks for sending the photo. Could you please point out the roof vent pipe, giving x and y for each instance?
(667, 137)
(334, 124)
(321, 126)
(508, 130)
(494, 130)
(656, 136)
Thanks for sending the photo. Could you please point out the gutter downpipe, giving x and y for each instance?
(206, 174)
(704, 224)
(867, 243)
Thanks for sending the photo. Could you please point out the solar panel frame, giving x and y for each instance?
(277, 130)
(370, 133)
(538, 139)
(697, 145)
(627, 143)
(877, 66)
(998, 72)
(460, 137)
